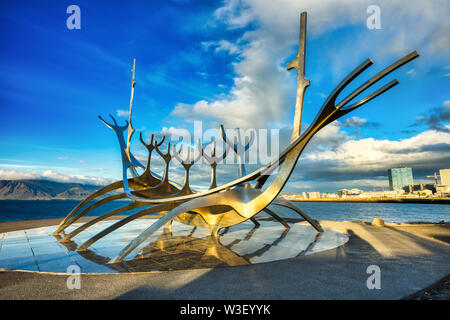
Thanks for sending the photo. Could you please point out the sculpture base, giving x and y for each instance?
(181, 247)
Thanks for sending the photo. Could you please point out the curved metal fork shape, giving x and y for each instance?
(239, 148)
(149, 177)
(187, 164)
(213, 160)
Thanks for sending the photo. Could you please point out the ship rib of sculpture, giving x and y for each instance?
(228, 204)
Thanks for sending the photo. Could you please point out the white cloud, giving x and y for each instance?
(333, 186)
(31, 166)
(353, 122)
(257, 97)
(428, 150)
(222, 45)
(446, 104)
(202, 74)
(174, 133)
(122, 113)
(436, 118)
(262, 86)
(417, 25)
(412, 72)
(328, 138)
(54, 176)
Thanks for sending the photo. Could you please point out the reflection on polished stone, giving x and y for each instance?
(183, 247)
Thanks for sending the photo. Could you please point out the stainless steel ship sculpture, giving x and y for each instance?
(220, 206)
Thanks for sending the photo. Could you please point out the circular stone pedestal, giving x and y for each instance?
(181, 248)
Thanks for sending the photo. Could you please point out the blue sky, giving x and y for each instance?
(219, 62)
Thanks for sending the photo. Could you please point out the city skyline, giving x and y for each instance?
(221, 63)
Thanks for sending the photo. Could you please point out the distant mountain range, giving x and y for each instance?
(43, 189)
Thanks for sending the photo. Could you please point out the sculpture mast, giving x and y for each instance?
(299, 64)
(130, 125)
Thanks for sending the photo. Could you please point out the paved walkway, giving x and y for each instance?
(408, 263)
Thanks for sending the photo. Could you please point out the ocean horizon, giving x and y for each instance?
(16, 210)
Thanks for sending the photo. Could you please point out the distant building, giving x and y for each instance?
(445, 176)
(313, 195)
(328, 196)
(443, 191)
(420, 187)
(380, 194)
(346, 192)
(400, 177)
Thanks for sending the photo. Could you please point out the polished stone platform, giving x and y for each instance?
(181, 248)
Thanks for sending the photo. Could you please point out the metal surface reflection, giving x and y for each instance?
(174, 247)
